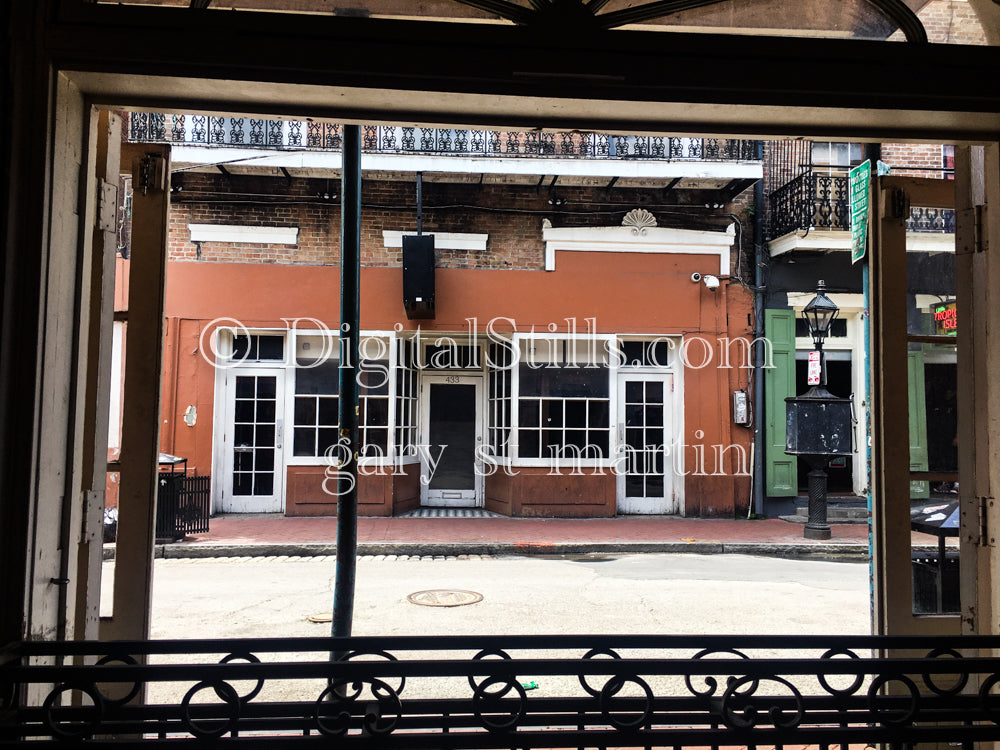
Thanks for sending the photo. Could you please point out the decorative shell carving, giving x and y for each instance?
(640, 220)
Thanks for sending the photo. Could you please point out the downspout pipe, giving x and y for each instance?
(759, 259)
(350, 339)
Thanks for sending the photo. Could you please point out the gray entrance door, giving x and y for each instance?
(452, 431)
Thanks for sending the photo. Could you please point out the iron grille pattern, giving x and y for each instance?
(148, 127)
(816, 200)
(467, 691)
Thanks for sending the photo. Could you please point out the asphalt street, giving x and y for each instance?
(649, 593)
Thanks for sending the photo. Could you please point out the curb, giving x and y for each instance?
(835, 551)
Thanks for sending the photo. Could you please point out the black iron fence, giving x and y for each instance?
(506, 691)
(248, 132)
(182, 505)
(820, 201)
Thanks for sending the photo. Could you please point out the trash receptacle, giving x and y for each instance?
(170, 484)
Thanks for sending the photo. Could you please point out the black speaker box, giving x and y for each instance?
(418, 276)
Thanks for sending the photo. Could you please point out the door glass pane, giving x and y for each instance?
(645, 439)
(932, 397)
(930, 272)
(254, 434)
(453, 425)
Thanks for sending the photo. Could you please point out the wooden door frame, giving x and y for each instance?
(891, 474)
(671, 480)
(426, 380)
(223, 483)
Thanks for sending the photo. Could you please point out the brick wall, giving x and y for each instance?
(949, 22)
(919, 159)
(511, 215)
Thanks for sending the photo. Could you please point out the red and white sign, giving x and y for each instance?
(813, 371)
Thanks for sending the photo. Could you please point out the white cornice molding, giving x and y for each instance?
(443, 240)
(239, 233)
(624, 239)
(521, 165)
(838, 239)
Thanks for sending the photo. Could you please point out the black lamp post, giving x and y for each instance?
(819, 315)
(818, 424)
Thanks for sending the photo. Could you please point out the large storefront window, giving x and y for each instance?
(564, 400)
(317, 396)
(317, 389)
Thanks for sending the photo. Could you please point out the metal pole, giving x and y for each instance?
(873, 152)
(350, 319)
(816, 526)
(420, 203)
(759, 303)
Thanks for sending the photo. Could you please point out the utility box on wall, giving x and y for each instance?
(418, 276)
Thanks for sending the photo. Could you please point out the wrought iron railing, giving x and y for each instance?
(249, 132)
(506, 691)
(820, 201)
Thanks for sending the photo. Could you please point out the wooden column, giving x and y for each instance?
(96, 332)
(150, 168)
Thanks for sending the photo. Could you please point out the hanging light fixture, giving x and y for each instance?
(819, 314)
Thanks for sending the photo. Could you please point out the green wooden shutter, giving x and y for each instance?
(781, 470)
(916, 398)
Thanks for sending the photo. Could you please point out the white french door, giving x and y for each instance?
(451, 433)
(253, 439)
(645, 476)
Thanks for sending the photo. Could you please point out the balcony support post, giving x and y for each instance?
(349, 443)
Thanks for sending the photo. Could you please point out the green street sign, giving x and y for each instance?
(859, 182)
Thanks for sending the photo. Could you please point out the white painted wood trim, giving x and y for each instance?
(837, 239)
(647, 240)
(239, 233)
(443, 240)
(524, 165)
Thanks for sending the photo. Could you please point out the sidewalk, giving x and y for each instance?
(256, 535)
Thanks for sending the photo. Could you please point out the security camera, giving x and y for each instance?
(712, 282)
(696, 277)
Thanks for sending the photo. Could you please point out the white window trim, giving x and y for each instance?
(674, 350)
(224, 346)
(385, 462)
(442, 240)
(401, 459)
(240, 233)
(641, 240)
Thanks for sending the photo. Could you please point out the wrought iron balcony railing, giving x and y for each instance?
(820, 201)
(506, 691)
(246, 132)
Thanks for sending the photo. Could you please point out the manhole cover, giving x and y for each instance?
(444, 597)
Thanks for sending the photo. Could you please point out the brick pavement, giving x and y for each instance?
(259, 535)
(271, 528)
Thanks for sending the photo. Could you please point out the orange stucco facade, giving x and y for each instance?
(624, 293)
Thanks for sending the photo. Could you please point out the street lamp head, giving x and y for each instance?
(819, 314)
